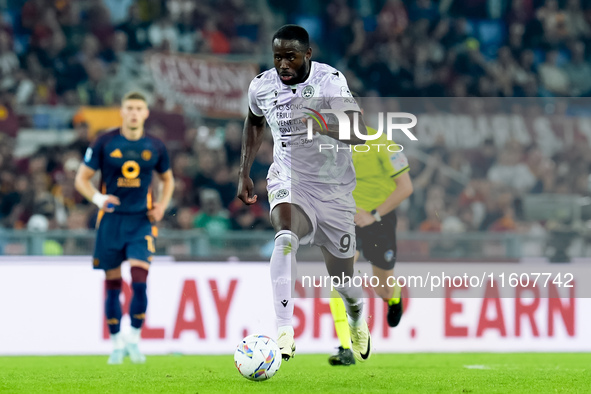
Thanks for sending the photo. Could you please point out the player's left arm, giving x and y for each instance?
(403, 191)
(395, 165)
(333, 130)
(159, 207)
(340, 98)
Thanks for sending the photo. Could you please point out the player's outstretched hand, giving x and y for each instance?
(316, 127)
(156, 213)
(246, 191)
(110, 202)
(363, 218)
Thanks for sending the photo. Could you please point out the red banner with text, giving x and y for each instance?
(216, 87)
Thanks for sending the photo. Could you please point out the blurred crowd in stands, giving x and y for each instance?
(67, 52)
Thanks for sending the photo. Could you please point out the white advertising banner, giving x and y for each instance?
(207, 308)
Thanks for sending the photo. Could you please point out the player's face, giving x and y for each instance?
(291, 62)
(134, 113)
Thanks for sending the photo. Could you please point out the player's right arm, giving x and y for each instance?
(336, 90)
(252, 137)
(84, 184)
(333, 131)
(85, 187)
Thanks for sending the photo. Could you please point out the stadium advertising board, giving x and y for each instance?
(207, 308)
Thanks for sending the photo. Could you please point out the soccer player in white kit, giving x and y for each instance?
(310, 189)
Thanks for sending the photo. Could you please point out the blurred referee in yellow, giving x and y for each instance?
(383, 183)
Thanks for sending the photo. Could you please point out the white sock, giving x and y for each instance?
(287, 329)
(134, 335)
(352, 296)
(117, 340)
(283, 267)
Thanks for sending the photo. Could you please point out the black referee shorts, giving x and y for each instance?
(377, 242)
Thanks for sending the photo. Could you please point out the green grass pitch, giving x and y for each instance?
(385, 373)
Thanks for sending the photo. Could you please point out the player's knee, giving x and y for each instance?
(288, 217)
(286, 241)
(139, 275)
(113, 284)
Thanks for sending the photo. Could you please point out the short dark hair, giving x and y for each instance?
(293, 32)
(134, 96)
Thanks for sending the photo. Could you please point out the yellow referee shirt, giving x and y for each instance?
(376, 171)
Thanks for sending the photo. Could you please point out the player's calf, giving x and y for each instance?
(113, 305)
(139, 300)
(282, 265)
(137, 313)
(352, 297)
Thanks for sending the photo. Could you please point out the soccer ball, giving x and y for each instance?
(257, 357)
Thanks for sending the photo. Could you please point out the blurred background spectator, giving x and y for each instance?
(65, 54)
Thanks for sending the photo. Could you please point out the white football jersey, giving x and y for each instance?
(296, 158)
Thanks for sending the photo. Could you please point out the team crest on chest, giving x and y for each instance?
(308, 92)
(146, 155)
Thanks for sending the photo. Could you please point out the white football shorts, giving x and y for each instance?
(332, 221)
